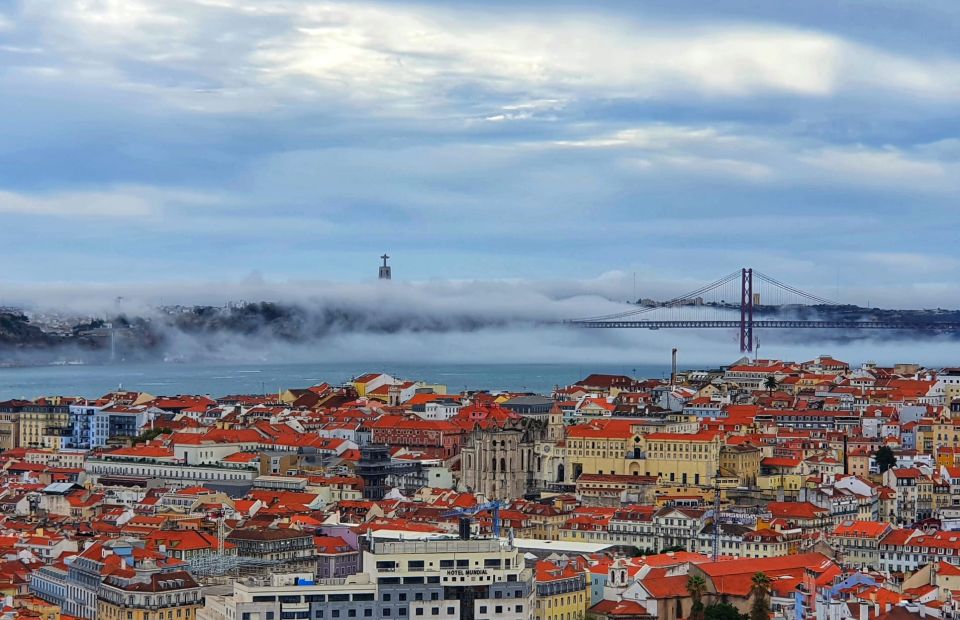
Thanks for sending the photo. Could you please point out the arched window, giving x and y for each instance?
(503, 464)
(493, 464)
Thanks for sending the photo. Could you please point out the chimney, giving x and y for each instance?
(673, 366)
(846, 461)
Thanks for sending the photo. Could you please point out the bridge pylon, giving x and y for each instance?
(746, 310)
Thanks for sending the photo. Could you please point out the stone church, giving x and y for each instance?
(499, 462)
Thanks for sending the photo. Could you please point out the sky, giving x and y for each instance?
(175, 143)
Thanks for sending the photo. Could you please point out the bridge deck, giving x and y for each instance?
(775, 324)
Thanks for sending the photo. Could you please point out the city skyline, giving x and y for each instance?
(207, 141)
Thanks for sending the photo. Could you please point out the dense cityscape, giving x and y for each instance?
(499, 310)
(765, 488)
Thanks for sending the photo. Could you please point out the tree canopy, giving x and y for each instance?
(885, 458)
(760, 588)
(723, 611)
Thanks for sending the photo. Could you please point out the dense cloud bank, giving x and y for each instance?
(453, 321)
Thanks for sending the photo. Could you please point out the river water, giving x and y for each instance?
(221, 379)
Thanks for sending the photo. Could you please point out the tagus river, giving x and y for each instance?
(222, 379)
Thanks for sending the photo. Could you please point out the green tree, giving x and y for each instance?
(885, 458)
(770, 383)
(696, 587)
(150, 435)
(760, 588)
(723, 611)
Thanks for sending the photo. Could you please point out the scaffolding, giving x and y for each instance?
(220, 567)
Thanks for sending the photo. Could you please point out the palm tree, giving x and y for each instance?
(696, 587)
(760, 588)
(770, 383)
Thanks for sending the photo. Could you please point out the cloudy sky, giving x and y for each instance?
(206, 140)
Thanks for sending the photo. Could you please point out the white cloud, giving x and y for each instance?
(913, 262)
(121, 202)
(76, 204)
(883, 167)
(414, 59)
(733, 152)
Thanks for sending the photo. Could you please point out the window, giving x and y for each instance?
(419, 611)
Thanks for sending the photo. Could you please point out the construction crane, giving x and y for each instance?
(493, 507)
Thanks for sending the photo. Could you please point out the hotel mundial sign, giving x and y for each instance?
(466, 572)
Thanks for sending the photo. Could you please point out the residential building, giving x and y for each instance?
(563, 591)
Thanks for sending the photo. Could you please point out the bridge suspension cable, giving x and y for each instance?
(667, 304)
(809, 296)
(695, 312)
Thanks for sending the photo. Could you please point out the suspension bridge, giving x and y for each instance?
(748, 300)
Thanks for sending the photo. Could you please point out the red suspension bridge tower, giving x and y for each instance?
(746, 310)
(783, 306)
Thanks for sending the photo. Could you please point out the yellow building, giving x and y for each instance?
(687, 458)
(149, 595)
(543, 521)
(925, 436)
(685, 495)
(41, 608)
(9, 430)
(768, 543)
(742, 461)
(945, 435)
(616, 446)
(44, 426)
(605, 446)
(563, 590)
(789, 483)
